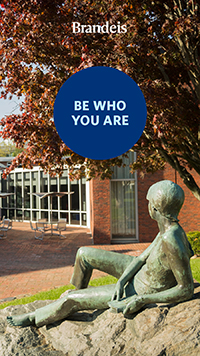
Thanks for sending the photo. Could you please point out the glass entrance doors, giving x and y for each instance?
(124, 203)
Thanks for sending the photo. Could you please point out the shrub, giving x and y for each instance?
(194, 239)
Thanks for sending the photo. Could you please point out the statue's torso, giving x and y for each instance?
(156, 274)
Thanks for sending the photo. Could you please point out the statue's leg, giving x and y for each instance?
(92, 298)
(76, 300)
(85, 299)
(89, 258)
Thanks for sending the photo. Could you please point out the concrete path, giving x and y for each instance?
(28, 266)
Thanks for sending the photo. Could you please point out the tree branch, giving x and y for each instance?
(187, 178)
(162, 69)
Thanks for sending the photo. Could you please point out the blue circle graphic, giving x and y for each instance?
(100, 113)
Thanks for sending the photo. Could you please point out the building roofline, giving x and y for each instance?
(6, 159)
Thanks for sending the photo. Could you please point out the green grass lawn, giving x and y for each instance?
(55, 293)
(195, 267)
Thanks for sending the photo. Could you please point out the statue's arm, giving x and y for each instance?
(180, 266)
(131, 270)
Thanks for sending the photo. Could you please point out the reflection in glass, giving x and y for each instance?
(35, 215)
(74, 187)
(43, 182)
(124, 172)
(19, 190)
(44, 189)
(123, 209)
(3, 213)
(44, 215)
(54, 188)
(4, 183)
(75, 219)
(84, 222)
(64, 188)
(26, 214)
(11, 214)
(65, 216)
(11, 189)
(23, 205)
(83, 194)
(54, 216)
(4, 202)
(35, 200)
(19, 214)
(26, 190)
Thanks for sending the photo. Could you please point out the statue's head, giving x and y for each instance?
(167, 198)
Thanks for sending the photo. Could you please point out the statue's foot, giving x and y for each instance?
(118, 306)
(21, 320)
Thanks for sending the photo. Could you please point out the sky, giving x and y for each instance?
(8, 107)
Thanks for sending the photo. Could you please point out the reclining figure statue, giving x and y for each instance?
(160, 274)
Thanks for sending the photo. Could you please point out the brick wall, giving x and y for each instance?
(100, 207)
(100, 211)
(189, 216)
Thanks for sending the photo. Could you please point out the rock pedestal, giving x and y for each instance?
(158, 330)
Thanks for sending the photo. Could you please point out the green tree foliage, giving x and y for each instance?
(160, 51)
(194, 239)
(8, 149)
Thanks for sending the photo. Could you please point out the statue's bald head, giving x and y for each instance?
(166, 197)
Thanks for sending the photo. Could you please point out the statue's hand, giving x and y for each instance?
(119, 290)
(135, 303)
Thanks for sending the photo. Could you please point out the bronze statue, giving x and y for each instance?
(160, 274)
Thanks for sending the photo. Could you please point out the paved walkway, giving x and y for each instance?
(28, 266)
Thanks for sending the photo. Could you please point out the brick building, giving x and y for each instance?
(116, 210)
(146, 230)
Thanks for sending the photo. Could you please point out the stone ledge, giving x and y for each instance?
(160, 329)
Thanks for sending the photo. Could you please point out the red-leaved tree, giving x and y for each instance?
(160, 51)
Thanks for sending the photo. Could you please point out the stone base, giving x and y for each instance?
(158, 330)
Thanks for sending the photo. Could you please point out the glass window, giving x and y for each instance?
(34, 181)
(26, 190)
(44, 215)
(123, 207)
(35, 215)
(4, 202)
(19, 190)
(11, 214)
(75, 219)
(24, 206)
(83, 194)
(4, 185)
(63, 181)
(84, 220)
(65, 216)
(11, 183)
(27, 214)
(11, 189)
(44, 203)
(124, 171)
(3, 213)
(35, 189)
(54, 216)
(44, 189)
(74, 187)
(53, 185)
(18, 214)
(54, 188)
(43, 182)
